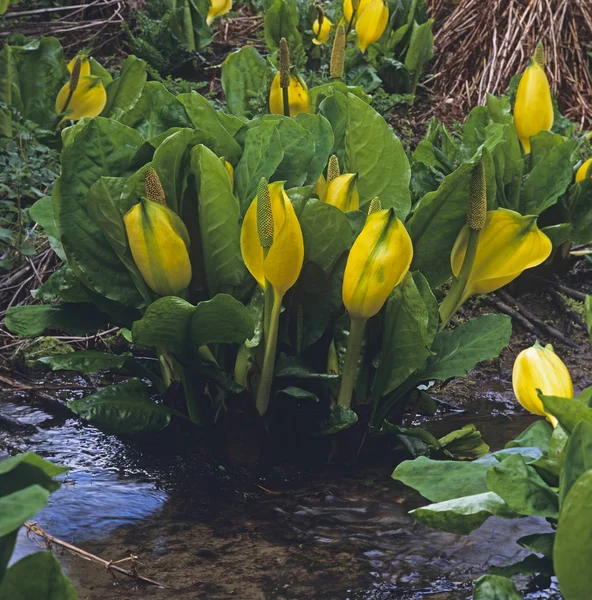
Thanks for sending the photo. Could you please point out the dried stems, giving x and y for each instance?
(480, 45)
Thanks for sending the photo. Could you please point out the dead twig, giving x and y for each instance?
(111, 566)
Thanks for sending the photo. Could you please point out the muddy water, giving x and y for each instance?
(339, 535)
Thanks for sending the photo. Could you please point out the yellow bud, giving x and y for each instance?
(508, 244)
(342, 192)
(154, 189)
(585, 171)
(320, 188)
(333, 170)
(371, 23)
(284, 61)
(533, 111)
(297, 97)
(377, 263)
(337, 66)
(477, 212)
(350, 5)
(539, 368)
(217, 9)
(230, 170)
(282, 264)
(159, 243)
(321, 27)
(87, 100)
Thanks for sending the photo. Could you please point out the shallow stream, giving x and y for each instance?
(339, 534)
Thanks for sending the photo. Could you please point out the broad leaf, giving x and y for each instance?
(567, 411)
(537, 435)
(18, 507)
(85, 361)
(495, 587)
(125, 90)
(322, 135)
(42, 213)
(577, 458)
(339, 419)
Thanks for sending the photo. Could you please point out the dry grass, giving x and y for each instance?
(481, 44)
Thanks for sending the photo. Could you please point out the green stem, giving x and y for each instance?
(350, 367)
(456, 295)
(350, 24)
(267, 308)
(286, 101)
(190, 398)
(266, 380)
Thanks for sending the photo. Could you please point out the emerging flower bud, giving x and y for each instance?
(371, 23)
(342, 192)
(539, 368)
(585, 171)
(297, 97)
(217, 9)
(321, 27)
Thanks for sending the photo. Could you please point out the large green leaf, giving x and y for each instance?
(24, 470)
(18, 507)
(572, 551)
(155, 111)
(567, 411)
(495, 587)
(102, 148)
(441, 480)
(219, 226)
(548, 179)
(327, 233)
(204, 117)
(457, 351)
(85, 361)
(523, 490)
(41, 73)
(123, 408)
(281, 21)
(366, 145)
(322, 136)
(263, 153)
(577, 458)
(421, 49)
(125, 90)
(317, 94)
(537, 435)
(71, 319)
(407, 336)
(7, 544)
(246, 75)
(42, 213)
(8, 88)
(580, 212)
(37, 576)
(463, 515)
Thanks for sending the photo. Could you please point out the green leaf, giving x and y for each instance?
(27, 469)
(588, 309)
(327, 233)
(7, 544)
(339, 419)
(407, 336)
(18, 507)
(567, 411)
(42, 213)
(245, 76)
(8, 88)
(221, 320)
(42, 72)
(580, 212)
(463, 515)
(204, 118)
(572, 551)
(85, 361)
(577, 458)
(441, 480)
(366, 145)
(421, 48)
(522, 488)
(541, 543)
(495, 587)
(37, 576)
(262, 154)
(71, 319)
(281, 21)
(317, 94)
(102, 148)
(219, 215)
(537, 435)
(155, 111)
(457, 351)
(125, 90)
(548, 179)
(322, 135)
(123, 408)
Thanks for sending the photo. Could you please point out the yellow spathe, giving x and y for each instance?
(297, 97)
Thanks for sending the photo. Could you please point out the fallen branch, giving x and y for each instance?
(111, 566)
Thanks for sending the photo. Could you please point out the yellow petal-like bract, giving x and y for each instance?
(283, 263)
(297, 97)
(84, 65)
(539, 368)
(88, 100)
(320, 187)
(159, 243)
(533, 110)
(508, 244)
(342, 192)
(348, 10)
(371, 23)
(322, 31)
(230, 170)
(584, 170)
(218, 8)
(377, 263)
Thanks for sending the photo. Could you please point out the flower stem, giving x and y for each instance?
(456, 295)
(271, 336)
(350, 368)
(350, 24)
(286, 100)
